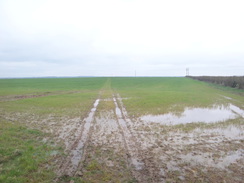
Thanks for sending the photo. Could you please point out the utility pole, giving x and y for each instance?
(187, 71)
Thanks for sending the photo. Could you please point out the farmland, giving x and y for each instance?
(120, 130)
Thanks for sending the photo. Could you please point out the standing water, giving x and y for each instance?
(190, 115)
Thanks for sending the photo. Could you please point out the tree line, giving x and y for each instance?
(231, 81)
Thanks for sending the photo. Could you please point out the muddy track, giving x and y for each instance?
(77, 151)
(139, 166)
(21, 97)
(154, 172)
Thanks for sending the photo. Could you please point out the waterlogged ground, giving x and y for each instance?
(111, 142)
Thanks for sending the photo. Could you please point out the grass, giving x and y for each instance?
(23, 155)
(236, 94)
(71, 105)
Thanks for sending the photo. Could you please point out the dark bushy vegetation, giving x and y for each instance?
(231, 81)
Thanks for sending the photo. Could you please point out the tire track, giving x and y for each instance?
(151, 168)
(139, 170)
(77, 151)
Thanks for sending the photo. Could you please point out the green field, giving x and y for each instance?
(41, 118)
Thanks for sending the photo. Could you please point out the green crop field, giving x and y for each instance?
(120, 129)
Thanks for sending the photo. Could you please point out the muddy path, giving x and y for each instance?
(144, 167)
(106, 144)
(77, 149)
(135, 159)
(44, 94)
(106, 159)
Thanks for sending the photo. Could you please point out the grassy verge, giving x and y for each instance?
(23, 155)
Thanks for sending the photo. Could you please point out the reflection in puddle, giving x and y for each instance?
(190, 115)
(230, 132)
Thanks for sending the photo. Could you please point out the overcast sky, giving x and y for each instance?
(119, 37)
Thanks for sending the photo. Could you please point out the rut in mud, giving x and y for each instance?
(150, 171)
(139, 169)
(77, 150)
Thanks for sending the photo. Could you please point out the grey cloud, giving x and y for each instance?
(108, 42)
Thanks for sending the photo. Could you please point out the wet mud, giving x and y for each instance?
(207, 155)
(135, 158)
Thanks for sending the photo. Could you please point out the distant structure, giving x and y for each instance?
(187, 71)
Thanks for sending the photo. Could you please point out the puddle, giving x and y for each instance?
(206, 159)
(209, 136)
(231, 132)
(191, 115)
(226, 97)
(137, 164)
